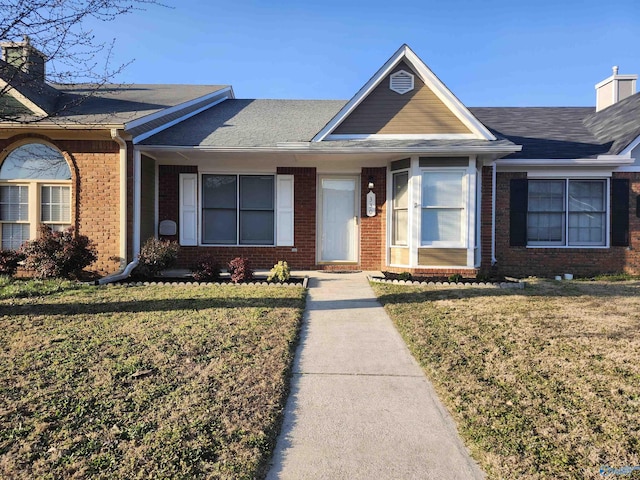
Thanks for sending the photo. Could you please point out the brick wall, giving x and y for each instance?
(95, 167)
(521, 261)
(260, 257)
(373, 232)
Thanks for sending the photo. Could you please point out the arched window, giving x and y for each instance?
(35, 188)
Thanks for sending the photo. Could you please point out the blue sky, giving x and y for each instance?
(489, 53)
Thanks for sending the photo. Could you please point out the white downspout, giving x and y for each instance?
(123, 194)
(137, 200)
(493, 213)
(123, 273)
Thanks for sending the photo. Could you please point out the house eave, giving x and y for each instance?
(301, 148)
(603, 161)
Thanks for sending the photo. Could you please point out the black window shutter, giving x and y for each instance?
(519, 193)
(619, 212)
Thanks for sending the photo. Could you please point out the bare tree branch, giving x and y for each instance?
(58, 29)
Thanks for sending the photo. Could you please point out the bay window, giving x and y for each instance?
(443, 200)
(400, 219)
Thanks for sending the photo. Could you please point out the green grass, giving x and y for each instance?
(143, 382)
(544, 383)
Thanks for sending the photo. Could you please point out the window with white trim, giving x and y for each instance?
(35, 189)
(566, 212)
(400, 214)
(238, 209)
(443, 200)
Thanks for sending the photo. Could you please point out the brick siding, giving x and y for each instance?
(522, 261)
(373, 230)
(95, 170)
(260, 257)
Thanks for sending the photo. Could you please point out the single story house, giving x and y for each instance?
(401, 177)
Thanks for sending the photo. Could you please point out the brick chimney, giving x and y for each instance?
(25, 57)
(615, 88)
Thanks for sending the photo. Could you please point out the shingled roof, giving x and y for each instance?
(618, 125)
(544, 132)
(88, 104)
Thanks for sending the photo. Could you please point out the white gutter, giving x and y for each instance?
(601, 161)
(494, 177)
(338, 151)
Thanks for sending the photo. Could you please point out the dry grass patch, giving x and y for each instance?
(542, 382)
(145, 382)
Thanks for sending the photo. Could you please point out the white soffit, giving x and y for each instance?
(430, 80)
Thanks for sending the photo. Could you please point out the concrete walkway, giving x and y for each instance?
(360, 407)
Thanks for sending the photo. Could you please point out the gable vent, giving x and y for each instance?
(401, 82)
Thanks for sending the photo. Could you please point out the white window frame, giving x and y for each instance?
(464, 209)
(35, 203)
(406, 171)
(283, 209)
(34, 186)
(565, 244)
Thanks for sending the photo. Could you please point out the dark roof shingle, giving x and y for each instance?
(618, 125)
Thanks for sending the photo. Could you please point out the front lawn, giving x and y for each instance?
(542, 382)
(143, 382)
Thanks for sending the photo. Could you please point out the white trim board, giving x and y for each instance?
(168, 111)
(159, 129)
(404, 136)
(430, 80)
(629, 148)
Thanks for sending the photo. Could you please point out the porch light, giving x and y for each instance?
(371, 183)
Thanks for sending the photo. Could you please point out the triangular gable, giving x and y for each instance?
(35, 95)
(427, 111)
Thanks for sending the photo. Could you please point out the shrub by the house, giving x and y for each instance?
(9, 260)
(156, 256)
(206, 269)
(58, 254)
(279, 273)
(240, 270)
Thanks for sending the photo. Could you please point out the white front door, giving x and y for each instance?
(338, 219)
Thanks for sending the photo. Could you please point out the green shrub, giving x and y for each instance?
(405, 276)
(206, 270)
(279, 273)
(455, 278)
(9, 260)
(58, 254)
(156, 256)
(240, 270)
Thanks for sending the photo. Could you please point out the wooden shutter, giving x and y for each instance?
(188, 209)
(619, 212)
(518, 201)
(284, 211)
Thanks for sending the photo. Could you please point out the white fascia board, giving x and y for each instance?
(629, 148)
(430, 80)
(405, 136)
(609, 161)
(62, 126)
(299, 147)
(168, 111)
(164, 126)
